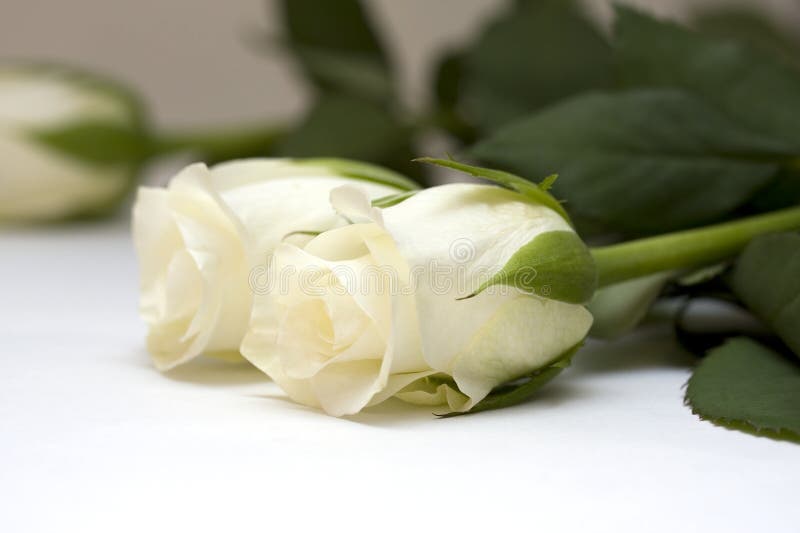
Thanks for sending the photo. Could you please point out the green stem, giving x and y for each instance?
(221, 144)
(687, 249)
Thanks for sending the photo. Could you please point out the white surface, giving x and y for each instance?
(94, 439)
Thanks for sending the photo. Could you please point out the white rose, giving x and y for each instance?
(199, 239)
(69, 143)
(359, 313)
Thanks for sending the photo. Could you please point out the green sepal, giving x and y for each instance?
(536, 193)
(523, 388)
(306, 233)
(556, 265)
(358, 170)
(392, 199)
(100, 142)
(547, 183)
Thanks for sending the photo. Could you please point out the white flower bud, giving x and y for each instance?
(430, 299)
(69, 143)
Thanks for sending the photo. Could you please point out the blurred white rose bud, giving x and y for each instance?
(70, 143)
(437, 299)
(201, 240)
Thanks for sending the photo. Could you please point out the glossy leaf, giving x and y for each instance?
(646, 161)
(751, 25)
(767, 280)
(756, 89)
(535, 53)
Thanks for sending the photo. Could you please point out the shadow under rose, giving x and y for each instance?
(653, 346)
(395, 413)
(214, 372)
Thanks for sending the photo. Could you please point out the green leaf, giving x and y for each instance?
(535, 53)
(782, 192)
(767, 279)
(97, 142)
(753, 87)
(743, 385)
(750, 25)
(646, 161)
(537, 194)
(337, 47)
(346, 127)
(448, 80)
(555, 265)
(522, 389)
(448, 93)
(619, 308)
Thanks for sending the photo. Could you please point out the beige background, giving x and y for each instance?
(197, 61)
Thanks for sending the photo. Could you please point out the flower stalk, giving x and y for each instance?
(220, 145)
(687, 249)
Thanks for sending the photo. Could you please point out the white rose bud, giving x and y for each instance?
(200, 240)
(69, 143)
(437, 299)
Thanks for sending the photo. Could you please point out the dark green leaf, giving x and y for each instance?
(750, 25)
(639, 162)
(337, 47)
(344, 127)
(532, 55)
(767, 280)
(755, 88)
(743, 385)
(448, 89)
(448, 80)
(783, 191)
